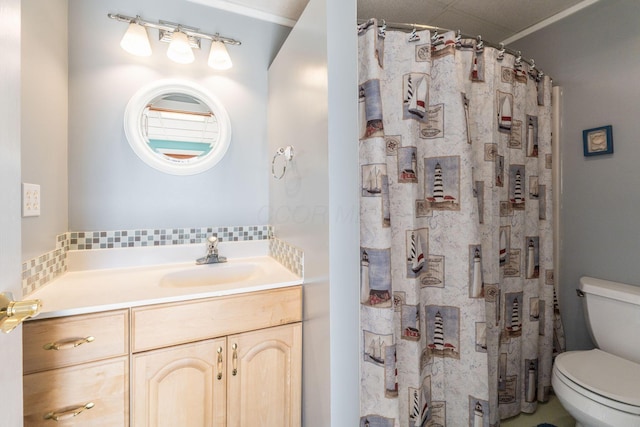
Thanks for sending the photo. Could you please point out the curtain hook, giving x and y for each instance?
(479, 44)
(518, 62)
(435, 36)
(533, 72)
(500, 56)
(414, 37)
(382, 31)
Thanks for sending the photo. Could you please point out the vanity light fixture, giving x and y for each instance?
(179, 48)
(181, 39)
(135, 40)
(219, 58)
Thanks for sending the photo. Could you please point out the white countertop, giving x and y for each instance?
(109, 279)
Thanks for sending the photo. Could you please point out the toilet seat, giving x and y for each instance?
(597, 375)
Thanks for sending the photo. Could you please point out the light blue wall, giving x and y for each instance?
(593, 55)
(109, 187)
(44, 106)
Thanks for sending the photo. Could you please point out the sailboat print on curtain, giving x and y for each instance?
(417, 250)
(414, 104)
(372, 177)
(505, 111)
(375, 347)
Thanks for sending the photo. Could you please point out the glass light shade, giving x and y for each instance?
(179, 49)
(219, 57)
(135, 40)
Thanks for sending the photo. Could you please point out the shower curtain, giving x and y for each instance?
(458, 318)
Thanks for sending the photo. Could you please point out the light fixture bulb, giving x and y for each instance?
(179, 49)
(136, 41)
(219, 57)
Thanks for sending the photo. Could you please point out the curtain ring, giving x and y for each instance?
(518, 62)
(414, 37)
(479, 44)
(382, 31)
(500, 56)
(287, 153)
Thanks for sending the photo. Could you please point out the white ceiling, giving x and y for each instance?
(495, 20)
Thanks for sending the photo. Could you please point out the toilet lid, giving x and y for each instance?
(602, 373)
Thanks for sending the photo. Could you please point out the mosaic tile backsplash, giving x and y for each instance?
(160, 237)
(41, 270)
(287, 255)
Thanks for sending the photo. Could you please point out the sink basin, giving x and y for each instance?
(210, 275)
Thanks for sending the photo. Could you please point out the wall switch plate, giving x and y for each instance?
(30, 199)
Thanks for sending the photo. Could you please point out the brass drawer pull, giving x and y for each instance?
(234, 359)
(68, 414)
(219, 363)
(64, 345)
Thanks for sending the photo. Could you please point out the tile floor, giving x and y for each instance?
(551, 412)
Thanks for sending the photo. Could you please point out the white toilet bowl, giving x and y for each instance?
(598, 389)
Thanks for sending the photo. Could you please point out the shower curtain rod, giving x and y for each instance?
(411, 27)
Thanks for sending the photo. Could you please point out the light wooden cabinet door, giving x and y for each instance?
(184, 385)
(264, 381)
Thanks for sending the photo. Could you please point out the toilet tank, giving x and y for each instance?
(612, 312)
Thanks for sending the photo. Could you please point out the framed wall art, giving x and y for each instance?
(598, 141)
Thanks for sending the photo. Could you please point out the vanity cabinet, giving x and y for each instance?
(182, 385)
(225, 361)
(241, 380)
(265, 389)
(76, 370)
(227, 377)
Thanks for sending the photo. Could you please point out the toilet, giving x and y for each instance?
(601, 387)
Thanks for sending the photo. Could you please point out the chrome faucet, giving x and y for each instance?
(212, 253)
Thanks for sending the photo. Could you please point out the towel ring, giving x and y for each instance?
(287, 153)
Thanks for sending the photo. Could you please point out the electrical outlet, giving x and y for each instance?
(30, 199)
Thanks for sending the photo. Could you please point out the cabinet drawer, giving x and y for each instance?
(176, 323)
(78, 339)
(60, 392)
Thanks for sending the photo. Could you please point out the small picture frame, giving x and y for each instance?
(598, 141)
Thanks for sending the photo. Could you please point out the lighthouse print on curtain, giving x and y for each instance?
(458, 319)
